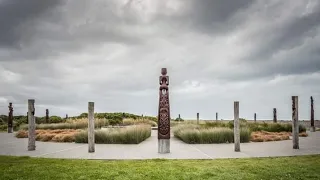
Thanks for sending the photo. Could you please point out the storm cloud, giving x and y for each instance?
(66, 53)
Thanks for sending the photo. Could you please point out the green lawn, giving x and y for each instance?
(302, 167)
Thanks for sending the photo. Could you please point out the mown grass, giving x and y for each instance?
(128, 135)
(195, 134)
(284, 168)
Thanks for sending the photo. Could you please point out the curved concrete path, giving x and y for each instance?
(9, 145)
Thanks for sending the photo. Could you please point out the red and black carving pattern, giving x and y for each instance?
(312, 112)
(10, 116)
(164, 107)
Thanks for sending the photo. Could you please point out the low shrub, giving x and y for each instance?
(194, 134)
(60, 135)
(3, 127)
(128, 135)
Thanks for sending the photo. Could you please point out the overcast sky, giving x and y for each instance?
(66, 53)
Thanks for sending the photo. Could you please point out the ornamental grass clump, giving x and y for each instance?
(131, 121)
(193, 134)
(128, 135)
(70, 124)
(274, 127)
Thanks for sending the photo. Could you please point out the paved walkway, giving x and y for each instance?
(9, 145)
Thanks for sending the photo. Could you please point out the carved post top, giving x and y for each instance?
(164, 71)
(311, 98)
(10, 107)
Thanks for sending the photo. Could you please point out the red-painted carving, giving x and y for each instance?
(164, 106)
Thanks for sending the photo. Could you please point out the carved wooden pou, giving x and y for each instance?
(47, 115)
(312, 112)
(164, 106)
(10, 118)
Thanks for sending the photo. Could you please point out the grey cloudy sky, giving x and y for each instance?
(66, 53)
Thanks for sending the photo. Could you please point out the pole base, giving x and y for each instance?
(10, 129)
(312, 129)
(163, 146)
(31, 148)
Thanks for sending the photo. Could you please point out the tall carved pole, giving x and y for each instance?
(312, 128)
(164, 114)
(275, 115)
(198, 118)
(295, 122)
(32, 126)
(10, 119)
(47, 115)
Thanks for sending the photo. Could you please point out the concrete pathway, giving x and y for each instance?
(9, 145)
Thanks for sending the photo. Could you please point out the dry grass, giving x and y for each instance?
(70, 124)
(264, 136)
(58, 135)
(130, 121)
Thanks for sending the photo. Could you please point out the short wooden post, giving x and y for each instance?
(255, 117)
(275, 115)
(31, 126)
(91, 127)
(295, 122)
(216, 116)
(197, 118)
(236, 127)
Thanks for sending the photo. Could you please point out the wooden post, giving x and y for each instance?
(255, 117)
(197, 118)
(91, 127)
(31, 126)
(312, 127)
(295, 122)
(236, 127)
(216, 116)
(275, 115)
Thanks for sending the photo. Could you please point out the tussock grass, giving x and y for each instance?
(70, 124)
(130, 121)
(195, 134)
(274, 127)
(258, 126)
(128, 135)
